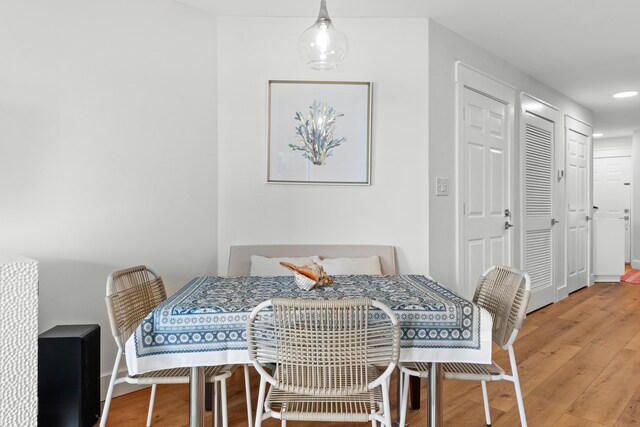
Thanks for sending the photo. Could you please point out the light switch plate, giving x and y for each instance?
(442, 186)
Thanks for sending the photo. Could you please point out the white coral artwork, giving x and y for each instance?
(315, 133)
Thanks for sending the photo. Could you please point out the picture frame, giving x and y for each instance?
(319, 132)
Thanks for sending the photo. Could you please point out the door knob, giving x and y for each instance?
(554, 221)
(507, 225)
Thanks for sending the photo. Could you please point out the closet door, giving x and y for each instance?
(538, 149)
(578, 197)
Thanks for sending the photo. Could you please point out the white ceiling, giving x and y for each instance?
(586, 49)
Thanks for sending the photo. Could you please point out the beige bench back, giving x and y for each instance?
(240, 256)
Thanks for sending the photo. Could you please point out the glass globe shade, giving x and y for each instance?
(322, 46)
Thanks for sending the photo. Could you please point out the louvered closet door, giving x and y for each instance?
(538, 209)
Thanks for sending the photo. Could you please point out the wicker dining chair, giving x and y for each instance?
(132, 294)
(504, 292)
(325, 354)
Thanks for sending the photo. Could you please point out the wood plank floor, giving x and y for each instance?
(579, 361)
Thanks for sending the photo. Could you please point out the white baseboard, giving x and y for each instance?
(119, 389)
(562, 292)
(615, 279)
(635, 264)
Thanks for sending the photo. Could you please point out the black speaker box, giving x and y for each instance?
(69, 376)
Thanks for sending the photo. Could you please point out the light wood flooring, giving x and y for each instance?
(579, 363)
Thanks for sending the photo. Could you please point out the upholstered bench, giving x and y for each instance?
(240, 256)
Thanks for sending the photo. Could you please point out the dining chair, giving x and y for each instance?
(504, 292)
(325, 354)
(132, 294)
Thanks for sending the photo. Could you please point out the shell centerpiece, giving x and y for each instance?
(309, 276)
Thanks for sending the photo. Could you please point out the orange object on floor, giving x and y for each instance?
(631, 276)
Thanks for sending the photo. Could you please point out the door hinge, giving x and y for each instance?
(464, 209)
(627, 183)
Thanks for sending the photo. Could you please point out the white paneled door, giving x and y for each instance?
(485, 178)
(612, 193)
(578, 206)
(538, 208)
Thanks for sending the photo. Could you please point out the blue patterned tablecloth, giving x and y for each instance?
(204, 322)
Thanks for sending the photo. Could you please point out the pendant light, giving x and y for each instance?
(322, 46)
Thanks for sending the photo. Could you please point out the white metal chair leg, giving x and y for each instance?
(485, 399)
(374, 423)
(402, 404)
(516, 384)
(283, 423)
(216, 399)
(112, 383)
(398, 393)
(152, 400)
(223, 402)
(386, 404)
(247, 388)
(261, 397)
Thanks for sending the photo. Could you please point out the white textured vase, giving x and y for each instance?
(18, 341)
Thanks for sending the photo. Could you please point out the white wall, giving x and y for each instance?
(635, 207)
(107, 147)
(392, 53)
(445, 48)
(615, 146)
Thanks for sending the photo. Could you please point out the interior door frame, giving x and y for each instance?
(584, 128)
(540, 108)
(472, 78)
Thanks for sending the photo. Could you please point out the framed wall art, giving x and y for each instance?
(319, 132)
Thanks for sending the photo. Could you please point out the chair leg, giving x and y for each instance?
(216, 399)
(152, 400)
(402, 404)
(374, 423)
(485, 399)
(516, 384)
(398, 393)
(386, 404)
(112, 383)
(247, 387)
(261, 396)
(223, 402)
(283, 423)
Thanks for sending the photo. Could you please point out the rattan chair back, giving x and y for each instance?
(504, 292)
(323, 347)
(131, 295)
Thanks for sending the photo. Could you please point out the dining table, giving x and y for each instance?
(204, 324)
